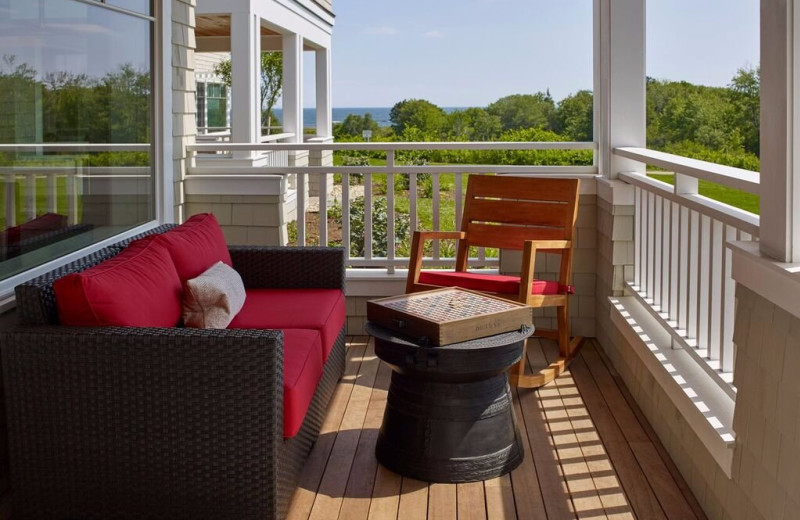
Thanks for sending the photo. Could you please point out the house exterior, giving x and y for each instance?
(694, 302)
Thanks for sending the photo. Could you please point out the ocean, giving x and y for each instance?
(379, 114)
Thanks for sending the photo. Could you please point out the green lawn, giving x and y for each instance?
(736, 198)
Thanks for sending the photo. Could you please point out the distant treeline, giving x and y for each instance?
(718, 124)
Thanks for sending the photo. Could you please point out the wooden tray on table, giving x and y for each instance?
(450, 315)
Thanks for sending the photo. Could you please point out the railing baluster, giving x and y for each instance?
(412, 201)
(674, 280)
(368, 216)
(29, 209)
(693, 294)
(436, 218)
(10, 190)
(684, 275)
(459, 195)
(323, 209)
(390, 224)
(717, 250)
(704, 283)
(346, 214)
(301, 209)
(728, 304)
(637, 235)
(73, 188)
(657, 258)
(651, 234)
(52, 193)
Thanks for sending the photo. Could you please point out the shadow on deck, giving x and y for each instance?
(589, 453)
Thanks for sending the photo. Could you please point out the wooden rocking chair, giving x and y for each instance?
(517, 213)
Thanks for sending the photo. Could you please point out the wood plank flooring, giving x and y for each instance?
(589, 453)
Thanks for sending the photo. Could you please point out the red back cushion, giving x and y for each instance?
(196, 245)
(38, 226)
(137, 288)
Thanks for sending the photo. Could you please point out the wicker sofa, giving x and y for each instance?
(136, 422)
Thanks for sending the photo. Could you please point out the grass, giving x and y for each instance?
(732, 197)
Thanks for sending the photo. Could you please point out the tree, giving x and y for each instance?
(418, 113)
(354, 125)
(271, 82)
(745, 113)
(523, 110)
(472, 124)
(574, 116)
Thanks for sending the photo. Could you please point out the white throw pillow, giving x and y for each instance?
(214, 298)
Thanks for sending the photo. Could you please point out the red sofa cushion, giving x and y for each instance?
(195, 245)
(137, 288)
(38, 226)
(302, 370)
(496, 283)
(318, 309)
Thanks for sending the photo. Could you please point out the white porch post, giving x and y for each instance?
(293, 86)
(323, 77)
(619, 82)
(780, 130)
(245, 80)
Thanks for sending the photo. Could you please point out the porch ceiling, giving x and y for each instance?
(220, 25)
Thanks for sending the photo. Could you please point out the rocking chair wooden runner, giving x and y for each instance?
(517, 213)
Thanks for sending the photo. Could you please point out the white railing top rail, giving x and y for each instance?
(395, 146)
(738, 178)
(730, 215)
(272, 138)
(76, 147)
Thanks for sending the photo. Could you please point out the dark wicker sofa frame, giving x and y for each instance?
(173, 423)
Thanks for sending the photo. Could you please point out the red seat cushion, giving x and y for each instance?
(302, 370)
(318, 309)
(137, 288)
(195, 245)
(495, 283)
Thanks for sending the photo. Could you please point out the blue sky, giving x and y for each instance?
(472, 52)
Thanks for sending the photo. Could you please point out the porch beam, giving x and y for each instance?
(619, 83)
(780, 129)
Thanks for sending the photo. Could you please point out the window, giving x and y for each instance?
(201, 108)
(217, 106)
(76, 126)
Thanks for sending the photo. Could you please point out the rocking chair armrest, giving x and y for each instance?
(415, 258)
(439, 235)
(550, 244)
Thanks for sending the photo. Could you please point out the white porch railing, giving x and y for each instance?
(60, 177)
(356, 181)
(682, 265)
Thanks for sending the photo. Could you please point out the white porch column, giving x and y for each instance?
(323, 77)
(780, 155)
(293, 86)
(619, 82)
(246, 78)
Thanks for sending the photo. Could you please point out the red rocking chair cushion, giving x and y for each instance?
(494, 283)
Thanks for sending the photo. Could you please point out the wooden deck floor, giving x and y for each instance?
(589, 453)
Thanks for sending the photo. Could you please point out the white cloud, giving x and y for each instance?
(383, 30)
(434, 34)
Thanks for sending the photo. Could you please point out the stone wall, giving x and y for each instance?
(184, 106)
(245, 219)
(615, 209)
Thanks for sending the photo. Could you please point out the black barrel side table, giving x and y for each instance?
(449, 416)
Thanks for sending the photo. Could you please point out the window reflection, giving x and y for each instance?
(77, 82)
